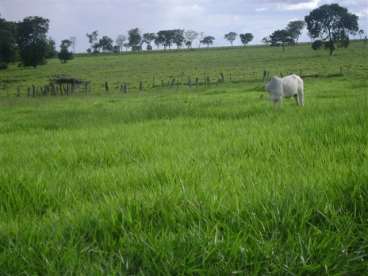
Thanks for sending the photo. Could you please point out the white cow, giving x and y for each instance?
(289, 86)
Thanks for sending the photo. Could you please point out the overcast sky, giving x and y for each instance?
(213, 17)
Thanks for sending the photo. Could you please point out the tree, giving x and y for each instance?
(148, 38)
(190, 36)
(92, 39)
(231, 37)
(126, 46)
(51, 48)
(317, 44)
(281, 38)
(201, 37)
(178, 37)
(332, 24)
(120, 42)
(266, 40)
(246, 38)
(32, 40)
(361, 34)
(7, 42)
(295, 29)
(135, 39)
(73, 39)
(166, 38)
(105, 43)
(64, 54)
(158, 41)
(207, 40)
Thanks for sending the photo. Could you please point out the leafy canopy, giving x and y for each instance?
(32, 40)
(246, 38)
(332, 24)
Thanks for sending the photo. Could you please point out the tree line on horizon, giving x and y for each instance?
(164, 38)
(329, 26)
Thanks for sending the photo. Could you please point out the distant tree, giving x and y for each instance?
(190, 36)
(73, 39)
(266, 40)
(295, 29)
(231, 37)
(64, 54)
(92, 39)
(178, 37)
(116, 49)
(120, 42)
(281, 38)
(159, 40)
(317, 44)
(208, 40)
(135, 39)
(51, 48)
(7, 43)
(166, 38)
(126, 46)
(148, 38)
(32, 40)
(246, 38)
(201, 37)
(332, 24)
(361, 34)
(105, 43)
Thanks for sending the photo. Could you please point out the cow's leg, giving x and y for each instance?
(301, 97)
(277, 103)
(296, 99)
(301, 94)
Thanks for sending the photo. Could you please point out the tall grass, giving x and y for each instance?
(210, 181)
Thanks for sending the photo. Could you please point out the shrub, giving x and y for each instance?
(316, 45)
(3, 65)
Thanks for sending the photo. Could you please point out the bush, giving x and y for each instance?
(3, 65)
(137, 48)
(65, 55)
(344, 43)
(316, 45)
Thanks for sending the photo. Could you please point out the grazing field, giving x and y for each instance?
(239, 64)
(208, 180)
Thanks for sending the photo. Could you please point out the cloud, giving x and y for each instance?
(308, 5)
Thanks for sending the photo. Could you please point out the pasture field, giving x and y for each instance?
(239, 64)
(208, 180)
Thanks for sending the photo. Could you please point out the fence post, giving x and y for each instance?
(222, 78)
(190, 83)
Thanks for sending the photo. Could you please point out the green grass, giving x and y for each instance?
(243, 64)
(202, 181)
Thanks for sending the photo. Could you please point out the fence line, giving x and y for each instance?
(190, 82)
